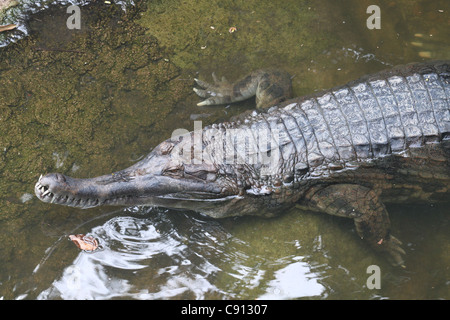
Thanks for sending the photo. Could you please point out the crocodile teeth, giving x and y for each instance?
(46, 193)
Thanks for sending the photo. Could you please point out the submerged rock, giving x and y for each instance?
(19, 12)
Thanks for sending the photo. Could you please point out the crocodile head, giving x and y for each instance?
(163, 178)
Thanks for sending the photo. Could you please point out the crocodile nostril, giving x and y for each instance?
(60, 177)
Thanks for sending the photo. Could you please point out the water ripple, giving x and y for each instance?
(160, 254)
(135, 248)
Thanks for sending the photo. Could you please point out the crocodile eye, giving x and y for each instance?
(174, 171)
(165, 147)
(202, 171)
(198, 174)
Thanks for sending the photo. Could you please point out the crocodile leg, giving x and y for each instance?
(269, 87)
(369, 214)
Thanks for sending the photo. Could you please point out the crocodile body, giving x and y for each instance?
(344, 151)
(388, 131)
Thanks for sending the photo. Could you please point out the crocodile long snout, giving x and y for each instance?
(120, 189)
(59, 189)
(87, 193)
(158, 179)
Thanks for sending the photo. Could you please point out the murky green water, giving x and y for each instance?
(91, 101)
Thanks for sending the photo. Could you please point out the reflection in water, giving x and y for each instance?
(177, 257)
(293, 281)
(131, 247)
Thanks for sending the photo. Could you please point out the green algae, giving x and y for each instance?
(310, 39)
(199, 32)
(70, 94)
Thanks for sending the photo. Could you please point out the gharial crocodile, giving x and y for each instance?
(384, 137)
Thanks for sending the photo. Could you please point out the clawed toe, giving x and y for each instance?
(215, 78)
(211, 97)
(203, 84)
(217, 93)
(207, 102)
(395, 252)
(207, 92)
(201, 93)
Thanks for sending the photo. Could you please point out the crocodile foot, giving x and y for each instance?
(369, 214)
(392, 248)
(269, 87)
(220, 92)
